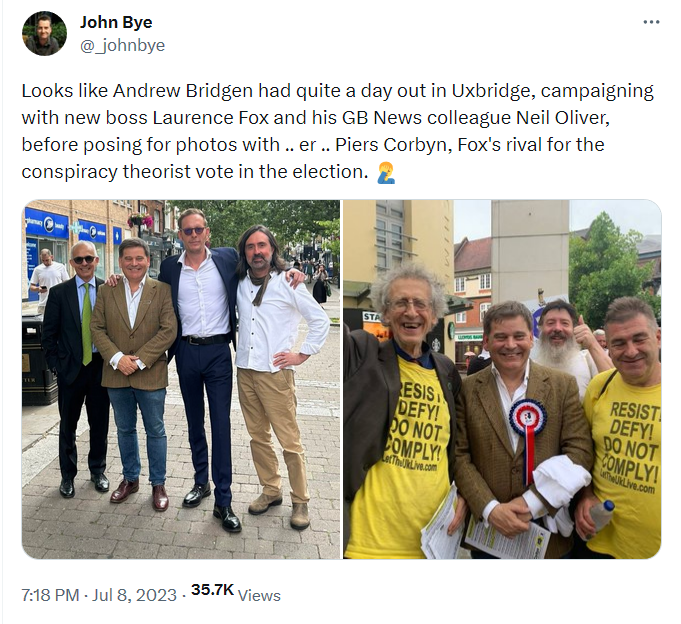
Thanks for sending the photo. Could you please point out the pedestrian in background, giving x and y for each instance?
(319, 291)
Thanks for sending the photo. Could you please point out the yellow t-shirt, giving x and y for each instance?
(402, 491)
(626, 429)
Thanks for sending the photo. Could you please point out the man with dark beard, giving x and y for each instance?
(567, 344)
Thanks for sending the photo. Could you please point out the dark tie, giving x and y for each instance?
(85, 329)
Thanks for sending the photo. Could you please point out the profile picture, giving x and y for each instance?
(44, 33)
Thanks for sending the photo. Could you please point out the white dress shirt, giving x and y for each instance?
(202, 299)
(272, 327)
(133, 301)
(533, 501)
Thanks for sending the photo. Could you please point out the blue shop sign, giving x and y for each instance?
(92, 232)
(39, 223)
(32, 262)
(117, 235)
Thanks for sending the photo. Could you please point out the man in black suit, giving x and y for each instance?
(68, 349)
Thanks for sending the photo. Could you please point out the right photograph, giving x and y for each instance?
(501, 379)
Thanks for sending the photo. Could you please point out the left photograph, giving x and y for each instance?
(181, 379)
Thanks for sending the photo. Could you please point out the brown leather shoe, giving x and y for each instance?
(159, 498)
(124, 490)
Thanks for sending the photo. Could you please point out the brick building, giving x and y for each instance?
(472, 281)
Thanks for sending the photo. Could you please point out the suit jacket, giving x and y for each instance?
(62, 334)
(225, 259)
(486, 466)
(154, 331)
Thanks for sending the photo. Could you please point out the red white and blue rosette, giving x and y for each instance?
(528, 418)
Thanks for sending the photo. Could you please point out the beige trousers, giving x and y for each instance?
(268, 401)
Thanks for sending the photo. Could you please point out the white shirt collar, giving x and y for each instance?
(181, 259)
(126, 281)
(497, 374)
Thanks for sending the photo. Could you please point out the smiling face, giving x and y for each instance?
(509, 343)
(409, 319)
(635, 350)
(557, 326)
(134, 264)
(44, 30)
(258, 252)
(84, 270)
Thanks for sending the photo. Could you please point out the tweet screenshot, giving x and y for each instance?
(387, 286)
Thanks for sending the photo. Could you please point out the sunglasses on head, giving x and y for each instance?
(188, 231)
(88, 259)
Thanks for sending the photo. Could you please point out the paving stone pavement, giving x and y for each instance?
(88, 526)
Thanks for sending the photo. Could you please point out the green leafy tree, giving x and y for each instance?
(605, 266)
(291, 221)
(331, 233)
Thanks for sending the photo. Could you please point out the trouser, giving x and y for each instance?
(268, 401)
(151, 404)
(209, 366)
(86, 388)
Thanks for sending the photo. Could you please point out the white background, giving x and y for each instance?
(389, 44)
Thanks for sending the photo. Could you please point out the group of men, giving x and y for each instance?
(542, 435)
(598, 436)
(111, 344)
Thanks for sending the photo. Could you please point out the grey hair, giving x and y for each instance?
(380, 289)
(626, 308)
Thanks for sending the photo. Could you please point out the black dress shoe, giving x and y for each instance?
(100, 481)
(230, 522)
(66, 488)
(196, 495)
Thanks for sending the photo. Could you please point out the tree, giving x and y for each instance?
(291, 221)
(331, 231)
(604, 266)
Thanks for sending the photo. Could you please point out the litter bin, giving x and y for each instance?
(39, 384)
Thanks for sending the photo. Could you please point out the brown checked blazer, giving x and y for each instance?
(486, 468)
(154, 331)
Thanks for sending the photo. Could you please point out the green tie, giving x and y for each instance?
(85, 329)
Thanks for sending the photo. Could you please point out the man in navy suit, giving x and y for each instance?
(68, 349)
(203, 282)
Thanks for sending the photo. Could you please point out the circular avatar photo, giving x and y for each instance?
(44, 33)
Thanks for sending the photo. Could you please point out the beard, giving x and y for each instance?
(556, 356)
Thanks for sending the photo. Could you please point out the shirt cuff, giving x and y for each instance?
(115, 359)
(140, 364)
(488, 510)
(535, 504)
(310, 349)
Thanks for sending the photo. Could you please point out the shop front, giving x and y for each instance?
(467, 343)
(45, 230)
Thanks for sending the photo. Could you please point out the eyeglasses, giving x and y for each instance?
(198, 230)
(88, 259)
(400, 305)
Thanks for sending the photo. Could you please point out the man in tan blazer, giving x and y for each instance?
(490, 454)
(132, 326)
